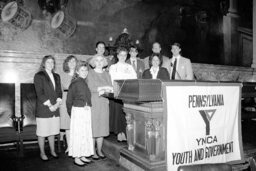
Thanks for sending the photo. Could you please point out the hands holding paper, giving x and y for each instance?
(105, 89)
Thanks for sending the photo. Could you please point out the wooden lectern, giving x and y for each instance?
(150, 104)
(145, 124)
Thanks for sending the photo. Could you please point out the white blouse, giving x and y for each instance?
(154, 72)
(122, 71)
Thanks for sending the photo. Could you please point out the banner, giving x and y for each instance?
(203, 125)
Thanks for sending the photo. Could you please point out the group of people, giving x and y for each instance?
(73, 101)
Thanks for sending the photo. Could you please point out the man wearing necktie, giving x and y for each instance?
(180, 68)
(174, 69)
(137, 64)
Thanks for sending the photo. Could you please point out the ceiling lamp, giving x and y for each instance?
(63, 23)
(16, 15)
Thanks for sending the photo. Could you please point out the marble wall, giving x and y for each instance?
(210, 72)
(20, 67)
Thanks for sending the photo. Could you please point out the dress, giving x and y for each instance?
(64, 117)
(100, 105)
(117, 121)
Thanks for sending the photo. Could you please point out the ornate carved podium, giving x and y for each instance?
(145, 126)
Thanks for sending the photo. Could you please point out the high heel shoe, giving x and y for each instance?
(101, 156)
(43, 157)
(54, 155)
(95, 158)
(119, 137)
(79, 164)
(85, 160)
(66, 152)
(123, 137)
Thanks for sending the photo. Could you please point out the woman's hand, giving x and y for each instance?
(86, 107)
(53, 108)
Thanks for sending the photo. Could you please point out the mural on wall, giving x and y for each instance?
(196, 24)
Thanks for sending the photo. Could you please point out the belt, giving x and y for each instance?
(65, 90)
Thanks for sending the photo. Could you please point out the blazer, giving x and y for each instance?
(184, 69)
(162, 74)
(45, 91)
(140, 67)
(79, 94)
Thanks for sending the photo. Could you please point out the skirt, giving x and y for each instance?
(117, 121)
(47, 126)
(81, 141)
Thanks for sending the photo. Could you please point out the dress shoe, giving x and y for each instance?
(79, 162)
(101, 156)
(43, 157)
(54, 155)
(95, 158)
(80, 165)
(119, 137)
(85, 160)
(123, 137)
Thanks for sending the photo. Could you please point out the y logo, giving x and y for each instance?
(207, 116)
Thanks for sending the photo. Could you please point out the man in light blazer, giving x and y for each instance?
(138, 65)
(182, 68)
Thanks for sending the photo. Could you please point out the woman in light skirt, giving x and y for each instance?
(79, 107)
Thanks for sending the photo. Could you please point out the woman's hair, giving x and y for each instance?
(158, 56)
(134, 47)
(45, 58)
(120, 49)
(65, 63)
(100, 42)
(93, 59)
(78, 66)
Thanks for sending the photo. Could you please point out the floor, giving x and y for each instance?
(9, 160)
(31, 162)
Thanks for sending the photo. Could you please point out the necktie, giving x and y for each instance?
(174, 69)
(134, 65)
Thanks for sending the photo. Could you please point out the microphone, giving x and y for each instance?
(176, 71)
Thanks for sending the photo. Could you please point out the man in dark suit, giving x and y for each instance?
(138, 65)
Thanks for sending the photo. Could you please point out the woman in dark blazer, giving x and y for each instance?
(49, 97)
(156, 71)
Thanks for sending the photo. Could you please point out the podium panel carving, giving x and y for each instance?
(145, 136)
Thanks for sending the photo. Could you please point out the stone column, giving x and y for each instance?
(254, 35)
(230, 25)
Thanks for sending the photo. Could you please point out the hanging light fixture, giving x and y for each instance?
(63, 23)
(16, 15)
(52, 6)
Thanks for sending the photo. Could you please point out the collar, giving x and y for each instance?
(152, 71)
(176, 57)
